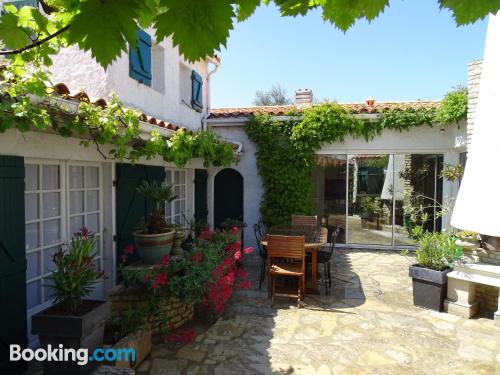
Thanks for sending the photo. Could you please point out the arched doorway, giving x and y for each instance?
(228, 196)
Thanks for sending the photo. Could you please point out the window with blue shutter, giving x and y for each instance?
(196, 91)
(140, 59)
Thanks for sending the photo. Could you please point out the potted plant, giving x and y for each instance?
(233, 229)
(155, 238)
(73, 321)
(435, 255)
(370, 208)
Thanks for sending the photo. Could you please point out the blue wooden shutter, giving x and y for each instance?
(196, 91)
(140, 59)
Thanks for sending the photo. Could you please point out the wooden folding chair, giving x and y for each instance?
(286, 257)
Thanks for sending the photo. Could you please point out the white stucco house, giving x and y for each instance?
(64, 186)
(337, 197)
(67, 186)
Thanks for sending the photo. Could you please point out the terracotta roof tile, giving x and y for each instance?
(62, 90)
(355, 108)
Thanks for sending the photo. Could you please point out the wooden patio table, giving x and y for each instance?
(314, 241)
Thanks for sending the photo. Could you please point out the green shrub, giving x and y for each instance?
(437, 251)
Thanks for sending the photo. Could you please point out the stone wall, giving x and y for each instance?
(121, 298)
(474, 77)
(488, 297)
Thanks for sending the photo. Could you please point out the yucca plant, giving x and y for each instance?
(75, 275)
(159, 194)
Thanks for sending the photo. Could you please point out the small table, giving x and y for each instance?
(311, 247)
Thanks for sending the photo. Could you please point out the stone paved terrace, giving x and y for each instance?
(368, 325)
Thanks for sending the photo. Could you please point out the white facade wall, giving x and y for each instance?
(252, 183)
(79, 71)
(449, 141)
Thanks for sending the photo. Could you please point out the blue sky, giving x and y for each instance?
(412, 51)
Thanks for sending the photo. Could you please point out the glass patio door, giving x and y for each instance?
(370, 203)
(370, 196)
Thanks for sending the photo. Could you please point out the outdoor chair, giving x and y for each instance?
(324, 257)
(258, 231)
(291, 249)
(302, 220)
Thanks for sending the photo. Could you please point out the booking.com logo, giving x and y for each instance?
(80, 356)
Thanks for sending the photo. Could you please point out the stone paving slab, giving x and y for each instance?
(368, 325)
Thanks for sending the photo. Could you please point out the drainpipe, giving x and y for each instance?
(215, 60)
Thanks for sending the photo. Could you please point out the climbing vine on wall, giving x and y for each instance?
(286, 149)
(26, 103)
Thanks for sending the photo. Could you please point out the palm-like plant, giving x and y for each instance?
(159, 194)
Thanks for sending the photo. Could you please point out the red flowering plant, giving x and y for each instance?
(208, 273)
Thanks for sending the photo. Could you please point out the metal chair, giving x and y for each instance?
(324, 257)
(292, 249)
(257, 229)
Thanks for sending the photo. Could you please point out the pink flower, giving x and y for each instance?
(165, 260)
(234, 230)
(248, 250)
(238, 255)
(129, 249)
(123, 258)
(160, 280)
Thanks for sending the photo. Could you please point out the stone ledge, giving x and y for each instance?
(466, 311)
(480, 273)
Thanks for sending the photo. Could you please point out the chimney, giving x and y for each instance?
(370, 102)
(303, 97)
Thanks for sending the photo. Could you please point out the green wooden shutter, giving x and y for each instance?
(131, 207)
(12, 262)
(200, 195)
(140, 59)
(196, 91)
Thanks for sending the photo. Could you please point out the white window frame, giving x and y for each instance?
(177, 217)
(100, 257)
(64, 216)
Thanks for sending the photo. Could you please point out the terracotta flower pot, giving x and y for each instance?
(152, 247)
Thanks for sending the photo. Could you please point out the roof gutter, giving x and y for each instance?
(215, 60)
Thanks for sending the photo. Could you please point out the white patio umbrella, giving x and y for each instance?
(477, 207)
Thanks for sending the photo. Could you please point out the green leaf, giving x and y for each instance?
(197, 27)
(11, 34)
(245, 8)
(343, 13)
(468, 11)
(105, 26)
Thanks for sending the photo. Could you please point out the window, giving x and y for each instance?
(44, 228)
(176, 210)
(140, 59)
(52, 214)
(85, 202)
(196, 91)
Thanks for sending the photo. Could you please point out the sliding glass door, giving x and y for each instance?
(373, 196)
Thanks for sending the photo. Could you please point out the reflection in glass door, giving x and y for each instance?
(330, 192)
(369, 219)
(372, 196)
